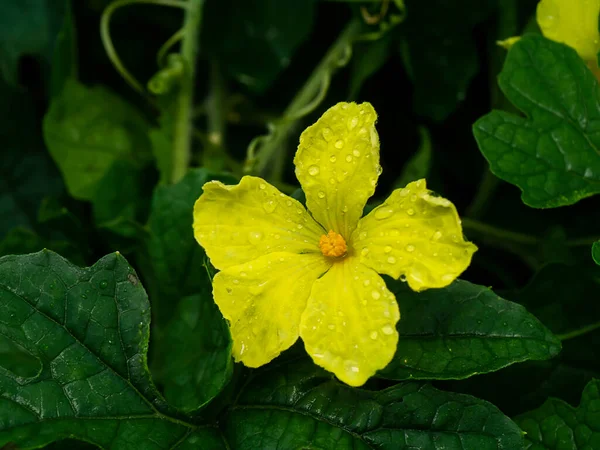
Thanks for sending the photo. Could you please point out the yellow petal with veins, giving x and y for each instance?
(349, 326)
(414, 234)
(337, 164)
(572, 22)
(236, 224)
(263, 301)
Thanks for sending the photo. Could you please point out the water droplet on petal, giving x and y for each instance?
(375, 295)
(383, 213)
(410, 212)
(262, 186)
(364, 251)
(356, 152)
(387, 249)
(333, 158)
(327, 134)
(410, 248)
(349, 158)
(367, 282)
(255, 237)
(345, 209)
(387, 330)
(339, 143)
(391, 260)
(352, 123)
(269, 206)
(321, 194)
(313, 170)
(373, 335)
(437, 235)
(331, 326)
(351, 366)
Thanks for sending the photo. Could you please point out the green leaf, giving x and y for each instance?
(175, 258)
(193, 361)
(89, 329)
(419, 165)
(21, 240)
(552, 155)
(28, 27)
(87, 130)
(27, 174)
(300, 406)
(596, 252)
(463, 330)
(64, 60)
(439, 51)
(254, 40)
(367, 58)
(558, 425)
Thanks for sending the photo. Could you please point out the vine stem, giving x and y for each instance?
(107, 41)
(579, 332)
(312, 91)
(182, 131)
(499, 233)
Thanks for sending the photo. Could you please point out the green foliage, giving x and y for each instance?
(87, 130)
(99, 352)
(464, 330)
(558, 425)
(552, 154)
(302, 406)
(28, 27)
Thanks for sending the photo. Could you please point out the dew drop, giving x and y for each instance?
(236, 281)
(413, 198)
(447, 277)
(313, 170)
(367, 282)
(339, 143)
(349, 158)
(375, 295)
(289, 203)
(269, 206)
(351, 366)
(410, 212)
(345, 209)
(262, 186)
(321, 194)
(331, 326)
(332, 180)
(333, 158)
(327, 134)
(356, 152)
(83, 296)
(387, 249)
(373, 335)
(364, 251)
(103, 285)
(387, 330)
(410, 248)
(243, 274)
(276, 236)
(299, 226)
(383, 213)
(352, 123)
(255, 237)
(391, 260)
(437, 235)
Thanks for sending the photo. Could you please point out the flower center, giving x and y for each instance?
(333, 244)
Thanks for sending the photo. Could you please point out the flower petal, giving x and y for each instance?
(349, 326)
(236, 224)
(337, 164)
(416, 234)
(574, 23)
(263, 300)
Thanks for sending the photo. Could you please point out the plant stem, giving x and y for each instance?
(580, 332)
(583, 242)
(182, 131)
(495, 233)
(313, 88)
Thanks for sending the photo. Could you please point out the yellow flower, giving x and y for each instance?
(571, 22)
(287, 273)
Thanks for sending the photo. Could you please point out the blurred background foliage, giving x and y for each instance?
(85, 166)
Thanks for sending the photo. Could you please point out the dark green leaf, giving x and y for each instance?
(552, 155)
(367, 58)
(64, 61)
(463, 330)
(28, 27)
(175, 257)
(440, 52)
(193, 360)
(87, 130)
(299, 406)
(596, 252)
(89, 329)
(255, 39)
(27, 174)
(556, 425)
(21, 240)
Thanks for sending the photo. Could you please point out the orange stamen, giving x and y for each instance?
(333, 244)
